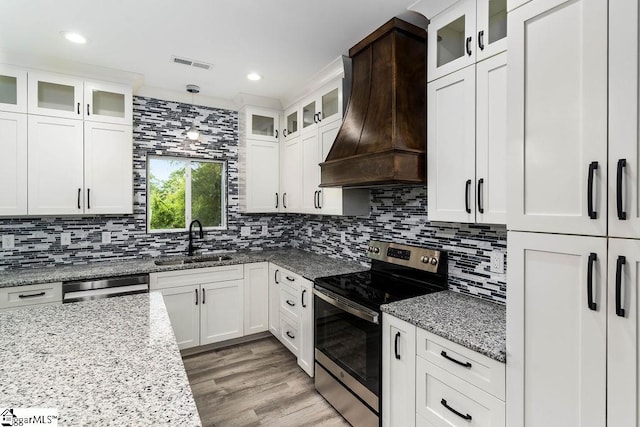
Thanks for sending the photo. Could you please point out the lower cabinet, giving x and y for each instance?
(256, 292)
(184, 312)
(291, 314)
(430, 381)
(221, 311)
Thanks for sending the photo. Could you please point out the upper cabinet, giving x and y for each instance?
(323, 107)
(261, 124)
(13, 89)
(465, 33)
(13, 163)
(291, 126)
(73, 98)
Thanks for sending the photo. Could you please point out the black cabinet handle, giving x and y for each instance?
(592, 259)
(319, 116)
(276, 134)
(88, 113)
(315, 199)
(468, 46)
(467, 191)
(446, 356)
(291, 336)
(396, 346)
(480, 41)
(203, 296)
(284, 200)
(78, 108)
(622, 163)
(291, 279)
(593, 166)
(284, 133)
(315, 118)
(319, 195)
(276, 200)
(88, 198)
(291, 303)
(467, 417)
(39, 294)
(480, 187)
(79, 193)
(275, 277)
(304, 291)
(196, 297)
(622, 260)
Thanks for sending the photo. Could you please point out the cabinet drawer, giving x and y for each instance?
(289, 334)
(289, 302)
(442, 399)
(21, 296)
(289, 278)
(172, 279)
(476, 368)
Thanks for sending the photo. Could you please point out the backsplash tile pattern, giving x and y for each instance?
(158, 128)
(399, 214)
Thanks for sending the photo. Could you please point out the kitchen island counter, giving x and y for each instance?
(103, 362)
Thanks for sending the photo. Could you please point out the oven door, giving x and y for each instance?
(348, 338)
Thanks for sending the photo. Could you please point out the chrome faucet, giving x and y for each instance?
(191, 247)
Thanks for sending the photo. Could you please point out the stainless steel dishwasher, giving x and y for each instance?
(104, 288)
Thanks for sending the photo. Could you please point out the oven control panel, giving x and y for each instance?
(408, 256)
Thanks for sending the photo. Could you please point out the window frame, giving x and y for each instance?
(187, 215)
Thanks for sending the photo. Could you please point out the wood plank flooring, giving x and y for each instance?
(256, 384)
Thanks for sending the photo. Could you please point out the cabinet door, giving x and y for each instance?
(330, 102)
(291, 127)
(221, 311)
(491, 140)
(256, 297)
(451, 142)
(622, 357)
(624, 138)
(306, 355)
(451, 40)
(108, 103)
(183, 306)
(330, 198)
(557, 119)
(13, 163)
(55, 95)
(310, 172)
(291, 175)
(13, 89)
(108, 168)
(262, 124)
(398, 372)
(56, 162)
(491, 28)
(309, 114)
(274, 300)
(556, 340)
(262, 177)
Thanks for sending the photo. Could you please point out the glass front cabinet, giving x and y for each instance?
(13, 90)
(323, 107)
(262, 124)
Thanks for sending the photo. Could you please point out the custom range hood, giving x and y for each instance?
(382, 140)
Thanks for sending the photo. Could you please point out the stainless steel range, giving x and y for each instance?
(347, 322)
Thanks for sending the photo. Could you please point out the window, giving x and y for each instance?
(181, 189)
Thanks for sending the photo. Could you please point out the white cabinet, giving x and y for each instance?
(108, 168)
(55, 166)
(55, 95)
(108, 103)
(310, 170)
(205, 305)
(291, 127)
(13, 89)
(398, 372)
(290, 174)
(465, 33)
(259, 169)
(322, 107)
(556, 330)
(306, 356)
(30, 295)
(274, 300)
(261, 124)
(13, 163)
(183, 306)
(256, 293)
(466, 165)
(557, 123)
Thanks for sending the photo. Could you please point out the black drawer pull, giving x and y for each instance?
(446, 356)
(291, 303)
(291, 279)
(395, 350)
(460, 414)
(293, 337)
(622, 260)
(590, 303)
(275, 277)
(39, 294)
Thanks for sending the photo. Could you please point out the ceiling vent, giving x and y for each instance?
(191, 63)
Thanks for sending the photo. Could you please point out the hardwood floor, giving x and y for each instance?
(256, 384)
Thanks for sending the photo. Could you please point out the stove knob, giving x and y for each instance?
(376, 250)
(433, 261)
(424, 259)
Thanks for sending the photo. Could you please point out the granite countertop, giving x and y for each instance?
(99, 362)
(307, 264)
(471, 322)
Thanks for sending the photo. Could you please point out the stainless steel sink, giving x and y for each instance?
(182, 261)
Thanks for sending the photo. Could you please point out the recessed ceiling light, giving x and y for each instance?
(74, 37)
(254, 76)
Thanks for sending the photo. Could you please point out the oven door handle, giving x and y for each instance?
(350, 307)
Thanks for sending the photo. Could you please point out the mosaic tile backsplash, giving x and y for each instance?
(398, 214)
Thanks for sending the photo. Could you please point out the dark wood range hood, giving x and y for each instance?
(382, 140)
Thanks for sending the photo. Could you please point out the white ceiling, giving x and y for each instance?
(286, 41)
